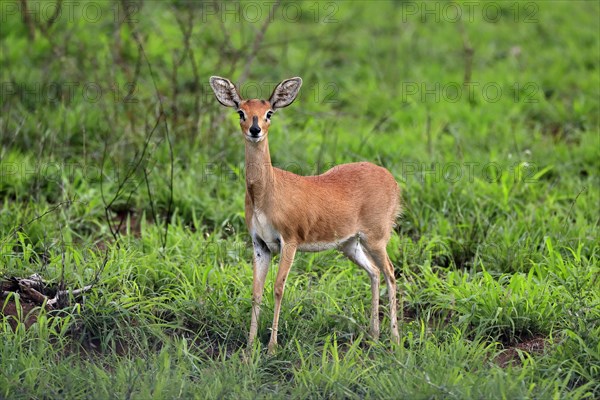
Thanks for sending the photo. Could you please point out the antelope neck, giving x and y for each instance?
(259, 172)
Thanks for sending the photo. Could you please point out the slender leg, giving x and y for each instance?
(355, 252)
(288, 252)
(392, 289)
(261, 261)
(381, 258)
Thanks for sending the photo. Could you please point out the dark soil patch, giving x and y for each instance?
(510, 356)
(24, 313)
(119, 222)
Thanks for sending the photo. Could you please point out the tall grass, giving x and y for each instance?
(496, 252)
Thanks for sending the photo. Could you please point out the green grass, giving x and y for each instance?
(497, 247)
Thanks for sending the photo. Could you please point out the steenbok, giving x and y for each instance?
(351, 207)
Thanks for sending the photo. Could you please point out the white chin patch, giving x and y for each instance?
(254, 139)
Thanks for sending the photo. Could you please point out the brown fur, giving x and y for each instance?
(349, 198)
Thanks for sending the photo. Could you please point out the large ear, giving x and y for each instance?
(285, 93)
(225, 91)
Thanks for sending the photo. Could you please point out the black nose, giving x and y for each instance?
(254, 129)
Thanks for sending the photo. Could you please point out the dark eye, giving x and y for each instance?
(269, 113)
(241, 114)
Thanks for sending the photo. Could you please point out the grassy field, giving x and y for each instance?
(121, 171)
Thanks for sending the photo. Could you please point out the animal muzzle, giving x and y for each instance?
(254, 129)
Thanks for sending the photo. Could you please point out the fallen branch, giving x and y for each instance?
(62, 293)
(32, 290)
(34, 295)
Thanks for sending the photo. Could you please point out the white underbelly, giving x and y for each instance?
(320, 246)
